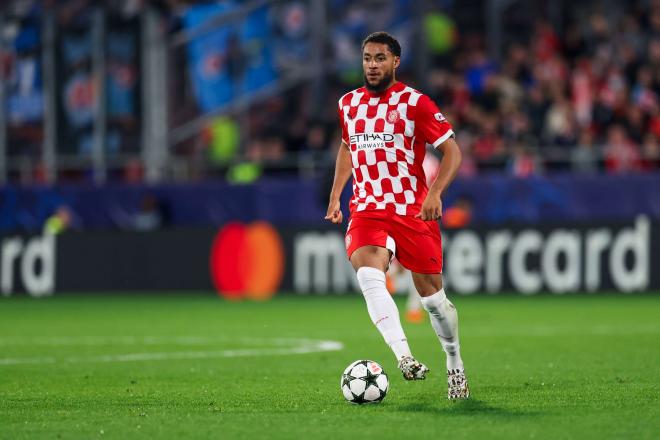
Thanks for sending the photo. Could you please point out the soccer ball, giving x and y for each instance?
(364, 382)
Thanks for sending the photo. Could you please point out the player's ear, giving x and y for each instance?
(397, 61)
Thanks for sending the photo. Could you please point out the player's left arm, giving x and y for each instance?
(451, 161)
(436, 130)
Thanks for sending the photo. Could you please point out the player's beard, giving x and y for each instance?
(381, 85)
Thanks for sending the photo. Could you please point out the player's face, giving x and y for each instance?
(378, 63)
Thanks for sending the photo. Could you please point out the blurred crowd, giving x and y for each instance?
(576, 94)
(585, 100)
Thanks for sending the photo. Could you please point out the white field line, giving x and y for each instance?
(187, 341)
(80, 341)
(274, 346)
(296, 346)
(31, 360)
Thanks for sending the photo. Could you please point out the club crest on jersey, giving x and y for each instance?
(393, 116)
(348, 240)
(439, 117)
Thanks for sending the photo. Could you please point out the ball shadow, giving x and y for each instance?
(470, 406)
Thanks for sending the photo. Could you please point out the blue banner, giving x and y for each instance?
(24, 85)
(232, 60)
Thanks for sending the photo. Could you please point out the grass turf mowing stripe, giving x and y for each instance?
(297, 346)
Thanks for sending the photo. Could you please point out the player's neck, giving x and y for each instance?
(383, 91)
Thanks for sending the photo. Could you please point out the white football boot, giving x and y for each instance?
(457, 385)
(412, 369)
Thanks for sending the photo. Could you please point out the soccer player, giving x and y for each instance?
(385, 128)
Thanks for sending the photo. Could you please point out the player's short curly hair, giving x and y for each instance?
(384, 38)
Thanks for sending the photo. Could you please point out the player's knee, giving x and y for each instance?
(428, 286)
(426, 291)
(370, 279)
(370, 256)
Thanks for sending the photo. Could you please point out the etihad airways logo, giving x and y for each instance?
(371, 141)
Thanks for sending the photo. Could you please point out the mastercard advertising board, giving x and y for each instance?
(247, 261)
(254, 261)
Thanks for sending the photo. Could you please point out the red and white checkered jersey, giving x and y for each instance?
(387, 136)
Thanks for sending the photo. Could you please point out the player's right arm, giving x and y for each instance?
(437, 131)
(343, 170)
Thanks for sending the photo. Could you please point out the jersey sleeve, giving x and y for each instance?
(431, 124)
(342, 123)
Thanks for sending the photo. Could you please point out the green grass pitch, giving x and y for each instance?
(191, 366)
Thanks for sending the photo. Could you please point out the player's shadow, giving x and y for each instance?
(471, 406)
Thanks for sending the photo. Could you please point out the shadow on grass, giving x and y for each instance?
(471, 406)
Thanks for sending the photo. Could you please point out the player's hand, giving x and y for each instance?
(334, 212)
(431, 208)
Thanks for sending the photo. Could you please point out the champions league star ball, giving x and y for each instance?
(364, 382)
